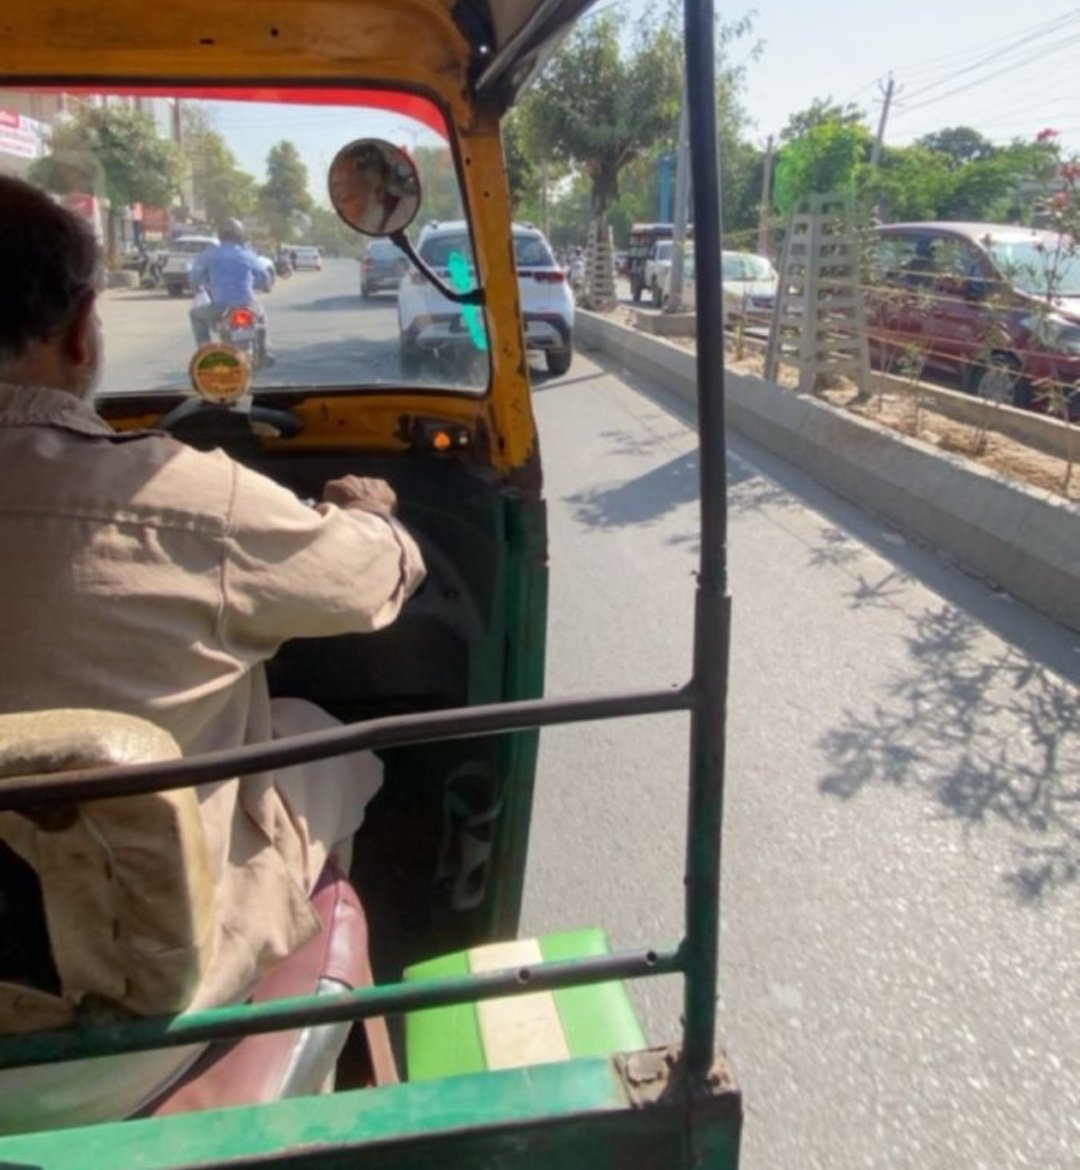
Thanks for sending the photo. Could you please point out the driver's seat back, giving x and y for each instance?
(126, 893)
(126, 883)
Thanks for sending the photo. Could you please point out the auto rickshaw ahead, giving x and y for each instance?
(499, 1051)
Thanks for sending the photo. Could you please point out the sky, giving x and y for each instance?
(1007, 69)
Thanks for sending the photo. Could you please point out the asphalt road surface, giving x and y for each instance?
(902, 840)
(320, 329)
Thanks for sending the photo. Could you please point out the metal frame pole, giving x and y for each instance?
(712, 611)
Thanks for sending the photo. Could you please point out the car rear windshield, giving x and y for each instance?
(532, 252)
(437, 250)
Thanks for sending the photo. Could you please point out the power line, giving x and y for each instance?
(931, 64)
(934, 64)
(988, 77)
(996, 55)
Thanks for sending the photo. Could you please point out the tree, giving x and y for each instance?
(910, 183)
(1004, 186)
(822, 161)
(522, 170)
(114, 153)
(959, 144)
(596, 108)
(820, 112)
(439, 183)
(219, 187)
(284, 199)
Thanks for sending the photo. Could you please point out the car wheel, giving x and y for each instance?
(1000, 381)
(175, 290)
(410, 358)
(558, 360)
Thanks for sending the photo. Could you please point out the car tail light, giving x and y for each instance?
(550, 276)
(241, 319)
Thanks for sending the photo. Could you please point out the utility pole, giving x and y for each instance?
(766, 200)
(875, 152)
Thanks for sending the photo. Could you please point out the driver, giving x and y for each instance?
(144, 577)
(230, 272)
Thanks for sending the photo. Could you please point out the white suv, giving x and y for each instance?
(433, 327)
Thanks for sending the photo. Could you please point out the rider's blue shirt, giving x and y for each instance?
(232, 273)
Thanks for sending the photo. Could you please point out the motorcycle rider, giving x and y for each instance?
(230, 273)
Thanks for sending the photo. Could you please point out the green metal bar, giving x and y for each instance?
(281, 1015)
(574, 1115)
(24, 792)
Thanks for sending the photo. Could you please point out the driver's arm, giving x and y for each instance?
(292, 571)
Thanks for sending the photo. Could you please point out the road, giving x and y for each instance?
(321, 331)
(902, 842)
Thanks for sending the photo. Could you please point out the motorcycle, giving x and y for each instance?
(241, 326)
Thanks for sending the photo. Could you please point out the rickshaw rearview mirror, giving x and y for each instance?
(374, 186)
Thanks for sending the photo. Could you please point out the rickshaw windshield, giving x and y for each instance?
(156, 174)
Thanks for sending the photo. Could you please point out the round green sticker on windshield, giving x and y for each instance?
(220, 372)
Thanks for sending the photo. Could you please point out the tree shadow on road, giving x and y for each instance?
(990, 740)
(647, 498)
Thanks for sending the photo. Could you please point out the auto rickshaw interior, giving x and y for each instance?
(440, 860)
(451, 815)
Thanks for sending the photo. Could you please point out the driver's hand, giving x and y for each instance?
(355, 491)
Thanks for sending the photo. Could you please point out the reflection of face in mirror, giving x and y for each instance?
(374, 187)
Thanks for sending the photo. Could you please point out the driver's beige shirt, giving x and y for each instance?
(141, 576)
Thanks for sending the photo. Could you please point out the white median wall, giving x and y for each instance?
(1022, 539)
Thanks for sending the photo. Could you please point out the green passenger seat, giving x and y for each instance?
(519, 1030)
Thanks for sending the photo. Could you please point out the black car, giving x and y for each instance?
(382, 266)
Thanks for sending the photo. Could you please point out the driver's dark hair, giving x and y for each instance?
(49, 262)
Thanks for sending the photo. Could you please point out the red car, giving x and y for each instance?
(995, 306)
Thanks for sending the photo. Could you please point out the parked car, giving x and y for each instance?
(182, 251)
(687, 299)
(382, 266)
(658, 269)
(640, 245)
(307, 257)
(432, 327)
(750, 285)
(995, 306)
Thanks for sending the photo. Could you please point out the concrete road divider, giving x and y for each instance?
(1024, 540)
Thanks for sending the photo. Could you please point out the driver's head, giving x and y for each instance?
(51, 266)
(231, 231)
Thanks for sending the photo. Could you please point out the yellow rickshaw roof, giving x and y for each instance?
(468, 51)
